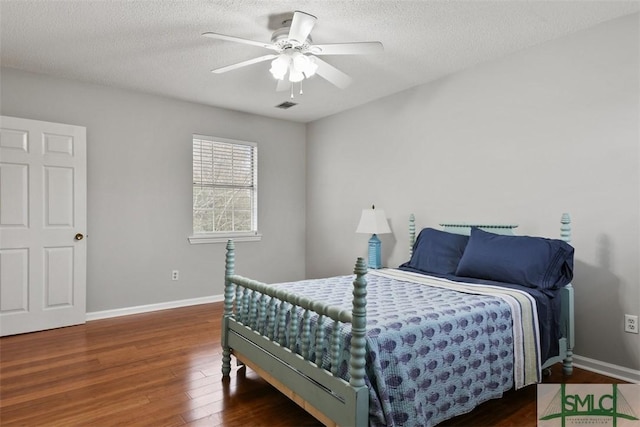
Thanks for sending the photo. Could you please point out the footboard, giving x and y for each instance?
(254, 331)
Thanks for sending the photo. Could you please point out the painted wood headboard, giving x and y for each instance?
(460, 228)
(465, 228)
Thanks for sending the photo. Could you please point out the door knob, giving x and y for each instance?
(79, 236)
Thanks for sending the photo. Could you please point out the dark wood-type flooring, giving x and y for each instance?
(163, 369)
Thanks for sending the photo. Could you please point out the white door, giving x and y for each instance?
(43, 252)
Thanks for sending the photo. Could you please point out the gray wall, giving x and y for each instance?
(522, 139)
(139, 189)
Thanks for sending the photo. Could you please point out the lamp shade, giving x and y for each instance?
(373, 221)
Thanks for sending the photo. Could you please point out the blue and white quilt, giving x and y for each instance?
(435, 348)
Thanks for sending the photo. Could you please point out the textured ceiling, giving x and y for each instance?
(157, 47)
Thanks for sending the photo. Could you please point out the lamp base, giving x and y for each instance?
(375, 256)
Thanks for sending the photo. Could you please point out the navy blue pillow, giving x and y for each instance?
(437, 251)
(535, 262)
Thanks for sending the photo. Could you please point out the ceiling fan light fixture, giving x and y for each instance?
(295, 76)
(298, 65)
(311, 67)
(280, 66)
(298, 61)
(304, 64)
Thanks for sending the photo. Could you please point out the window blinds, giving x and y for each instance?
(222, 164)
(224, 185)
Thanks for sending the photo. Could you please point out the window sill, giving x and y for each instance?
(203, 239)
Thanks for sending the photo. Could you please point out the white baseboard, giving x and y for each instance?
(608, 369)
(106, 314)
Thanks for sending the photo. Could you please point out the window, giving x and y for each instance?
(225, 190)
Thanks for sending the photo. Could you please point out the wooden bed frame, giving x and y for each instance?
(251, 338)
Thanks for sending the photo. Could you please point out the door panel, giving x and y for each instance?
(58, 144)
(58, 197)
(58, 264)
(14, 268)
(13, 139)
(14, 180)
(42, 208)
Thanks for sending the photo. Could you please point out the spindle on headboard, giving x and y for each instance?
(565, 228)
(412, 233)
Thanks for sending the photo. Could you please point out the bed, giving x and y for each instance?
(403, 347)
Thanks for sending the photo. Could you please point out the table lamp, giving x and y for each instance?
(373, 221)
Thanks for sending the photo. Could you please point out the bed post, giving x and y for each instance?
(358, 325)
(568, 307)
(229, 268)
(412, 233)
(357, 360)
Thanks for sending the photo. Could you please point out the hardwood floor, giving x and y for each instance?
(163, 369)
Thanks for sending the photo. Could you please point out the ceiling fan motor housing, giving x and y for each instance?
(280, 38)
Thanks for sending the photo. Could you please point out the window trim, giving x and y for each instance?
(224, 236)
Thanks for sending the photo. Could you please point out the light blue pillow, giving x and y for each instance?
(535, 262)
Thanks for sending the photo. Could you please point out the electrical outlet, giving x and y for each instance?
(175, 275)
(631, 323)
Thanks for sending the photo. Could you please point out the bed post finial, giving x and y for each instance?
(412, 233)
(565, 229)
(229, 270)
(358, 325)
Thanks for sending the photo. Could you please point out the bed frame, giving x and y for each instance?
(249, 325)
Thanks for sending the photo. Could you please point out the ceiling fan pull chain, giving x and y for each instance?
(291, 90)
(300, 87)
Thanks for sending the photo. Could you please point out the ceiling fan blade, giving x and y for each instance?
(239, 40)
(356, 48)
(332, 74)
(301, 26)
(283, 85)
(244, 63)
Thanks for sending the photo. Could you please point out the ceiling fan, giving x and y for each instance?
(295, 56)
